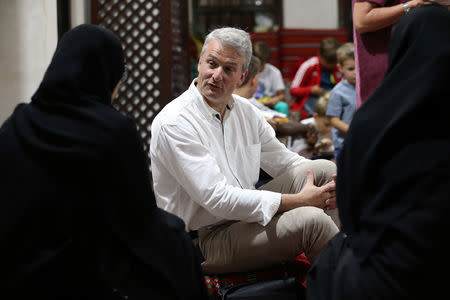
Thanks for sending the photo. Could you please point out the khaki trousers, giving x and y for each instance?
(238, 246)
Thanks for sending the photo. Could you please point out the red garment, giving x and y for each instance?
(308, 75)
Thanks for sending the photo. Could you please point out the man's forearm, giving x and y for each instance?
(290, 201)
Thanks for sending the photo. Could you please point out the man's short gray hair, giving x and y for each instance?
(235, 38)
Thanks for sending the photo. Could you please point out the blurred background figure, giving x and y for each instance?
(271, 90)
(372, 26)
(342, 104)
(314, 77)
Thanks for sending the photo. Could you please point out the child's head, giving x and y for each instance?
(262, 51)
(327, 52)
(252, 74)
(346, 62)
(323, 122)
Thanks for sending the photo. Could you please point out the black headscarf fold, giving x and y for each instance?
(78, 217)
(87, 69)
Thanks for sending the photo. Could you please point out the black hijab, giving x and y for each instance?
(78, 217)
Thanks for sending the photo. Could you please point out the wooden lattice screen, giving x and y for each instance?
(154, 34)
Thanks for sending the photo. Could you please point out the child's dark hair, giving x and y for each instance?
(327, 50)
(262, 51)
(253, 69)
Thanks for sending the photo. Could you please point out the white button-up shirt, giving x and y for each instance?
(205, 169)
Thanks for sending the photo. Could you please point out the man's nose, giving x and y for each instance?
(218, 74)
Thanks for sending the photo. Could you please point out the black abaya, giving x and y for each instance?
(394, 176)
(78, 217)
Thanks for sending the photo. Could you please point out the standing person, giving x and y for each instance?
(393, 178)
(372, 26)
(78, 217)
(270, 83)
(342, 103)
(314, 77)
(207, 148)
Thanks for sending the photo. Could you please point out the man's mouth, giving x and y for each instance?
(213, 86)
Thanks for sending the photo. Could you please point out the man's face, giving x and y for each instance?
(348, 70)
(219, 72)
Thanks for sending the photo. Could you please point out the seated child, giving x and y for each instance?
(271, 90)
(279, 121)
(314, 77)
(319, 145)
(342, 103)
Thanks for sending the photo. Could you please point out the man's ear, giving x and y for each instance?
(315, 115)
(339, 67)
(198, 65)
(241, 80)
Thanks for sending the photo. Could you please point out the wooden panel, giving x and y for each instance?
(154, 34)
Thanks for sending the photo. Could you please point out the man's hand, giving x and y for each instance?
(331, 203)
(317, 195)
(311, 195)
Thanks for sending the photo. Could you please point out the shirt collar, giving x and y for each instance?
(207, 111)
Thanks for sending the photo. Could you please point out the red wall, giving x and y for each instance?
(290, 47)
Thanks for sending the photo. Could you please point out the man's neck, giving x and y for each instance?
(220, 107)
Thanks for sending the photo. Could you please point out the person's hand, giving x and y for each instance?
(271, 102)
(417, 3)
(274, 123)
(319, 196)
(311, 135)
(331, 203)
(316, 90)
(323, 143)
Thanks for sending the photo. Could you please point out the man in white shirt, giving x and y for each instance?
(207, 148)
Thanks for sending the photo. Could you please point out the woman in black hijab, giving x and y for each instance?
(78, 217)
(393, 182)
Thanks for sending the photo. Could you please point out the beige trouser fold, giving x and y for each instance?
(238, 246)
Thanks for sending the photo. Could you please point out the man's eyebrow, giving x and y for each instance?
(210, 56)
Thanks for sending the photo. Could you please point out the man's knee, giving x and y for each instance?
(311, 218)
(323, 170)
(324, 165)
